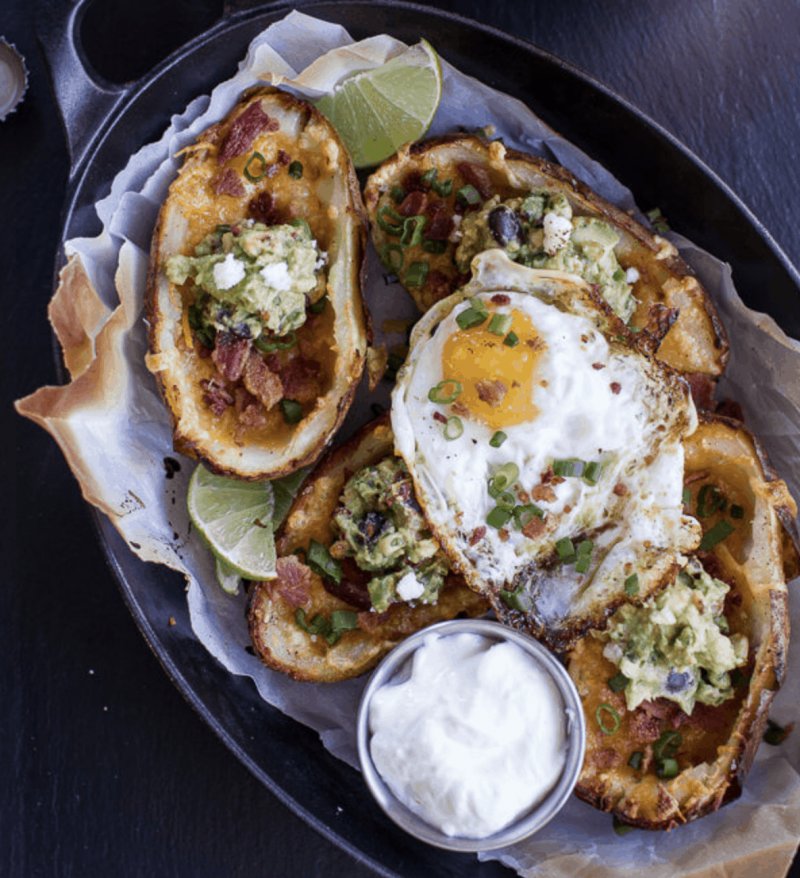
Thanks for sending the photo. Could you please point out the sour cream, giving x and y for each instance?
(473, 738)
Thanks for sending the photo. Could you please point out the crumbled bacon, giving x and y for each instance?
(300, 379)
(283, 157)
(352, 588)
(412, 182)
(253, 415)
(598, 366)
(615, 387)
(293, 581)
(605, 758)
(477, 535)
(501, 299)
(263, 209)
(438, 416)
(620, 490)
(534, 528)
(264, 384)
(244, 130)
(228, 182)
(543, 492)
(216, 396)
(491, 391)
(644, 727)
(438, 284)
(478, 177)
(413, 204)
(230, 354)
(459, 408)
(440, 222)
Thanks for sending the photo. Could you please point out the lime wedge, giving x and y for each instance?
(228, 579)
(377, 111)
(284, 491)
(235, 519)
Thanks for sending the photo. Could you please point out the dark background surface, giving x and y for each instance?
(106, 769)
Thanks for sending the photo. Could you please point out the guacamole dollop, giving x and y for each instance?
(540, 231)
(382, 529)
(677, 645)
(253, 278)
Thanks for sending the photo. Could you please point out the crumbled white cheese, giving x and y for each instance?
(277, 276)
(557, 230)
(409, 587)
(322, 260)
(229, 272)
(631, 275)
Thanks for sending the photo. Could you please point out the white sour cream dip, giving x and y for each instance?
(475, 737)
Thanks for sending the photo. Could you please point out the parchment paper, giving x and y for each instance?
(115, 433)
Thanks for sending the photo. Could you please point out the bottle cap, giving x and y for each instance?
(13, 78)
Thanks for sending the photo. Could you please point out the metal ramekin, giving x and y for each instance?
(541, 813)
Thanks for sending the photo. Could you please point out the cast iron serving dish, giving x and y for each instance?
(106, 124)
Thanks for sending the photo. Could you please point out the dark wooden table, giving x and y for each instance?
(106, 770)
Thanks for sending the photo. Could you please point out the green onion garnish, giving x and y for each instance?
(612, 725)
(569, 467)
(498, 517)
(710, 500)
(565, 549)
(517, 600)
(632, 585)
(434, 246)
(252, 175)
(453, 428)
(506, 499)
(511, 340)
(524, 514)
(498, 439)
(292, 411)
(478, 304)
(468, 195)
(721, 531)
(413, 227)
(428, 178)
(583, 556)
(737, 511)
(319, 306)
(500, 324)
(591, 472)
(503, 478)
(687, 496)
(397, 194)
(618, 682)
(443, 187)
(392, 257)
(470, 317)
(621, 828)
(445, 392)
(320, 561)
(667, 745)
(296, 170)
(268, 345)
(667, 768)
(300, 223)
(344, 620)
(318, 625)
(417, 274)
(635, 761)
(394, 224)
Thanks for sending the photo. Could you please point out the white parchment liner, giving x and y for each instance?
(115, 433)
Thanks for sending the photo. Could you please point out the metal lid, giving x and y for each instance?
(13, 78)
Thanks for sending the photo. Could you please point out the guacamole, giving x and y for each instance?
(540, 231)
(677, 645)
(383, 531)
(252, 279)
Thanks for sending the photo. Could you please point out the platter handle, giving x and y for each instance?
(84, 98)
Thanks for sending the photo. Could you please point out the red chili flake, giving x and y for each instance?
(615, 387)
(598, 366)
(501, 299)
(438, 416)
(478, 534)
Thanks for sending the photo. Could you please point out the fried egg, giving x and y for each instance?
(545, 447)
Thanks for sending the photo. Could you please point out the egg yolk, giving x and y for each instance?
(497, 379)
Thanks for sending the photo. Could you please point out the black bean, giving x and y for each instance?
(677, 681)
(505, 226)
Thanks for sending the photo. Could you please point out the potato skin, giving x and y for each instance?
(725, 743)
(695, 345)
(277, 639)
(190, 211)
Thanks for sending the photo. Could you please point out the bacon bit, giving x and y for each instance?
(293, 581)
(585, 339)
(536, 343)
(524, 496)
(253, 416)
(438, 416)
(230, 354)
(263, 209)
(501, 299)
(216, 397)
(228, 183)
(283, 157)
(478, 177)
(543, 492)
(413, 204)
(244, 130)
(605, 758)
(550, 478)
(598, 366)
(440, 222)
(503, 534)
(477, 535)
(438, 284)
(242, 399)
(615, 387)
(620, 490)
(644, 727)
(568, 509)
(491, 391)
(412, 182)
(264, 384)
(534, 528)
(300, 379)
(460, 409)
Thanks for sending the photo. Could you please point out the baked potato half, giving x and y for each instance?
(437, 203)
(293, 618)
(742, 506)
(257, 332)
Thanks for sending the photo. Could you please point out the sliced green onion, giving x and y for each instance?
(511, 340)
(721, 531)
(397, 194)
(503, 478)
(417, 274)
(667, 745)
(505, 499)
(583, 558)
(344, 620)
(737, 511)
(468, 195)
(292, 411)
(478, 304)
(442, 187)
(446, 391)
(523, 515)
(392, 257)
(498, 439)
(621, 828)
(319, 306)
(565, 549)
(569, 467)
(498, 517)
(591, 472)
(470, 317)
(635, 761)
(517, 600)
(710, 500)
(667, 768)
(320, 560)
(632, 585)
(296, 170)
(606, 710)
(251, 174)
(302, 224)
(428, 178)
(268, 345)
(618, 682)
(687, 496)
(434, 246)
(500, 324)
(453, 428)
(413, 227)
(318, 625)
(394, 224)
